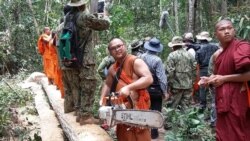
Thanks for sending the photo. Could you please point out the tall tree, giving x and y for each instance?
(191, 13)
(224, 8)
(33, 16)
(176, 17)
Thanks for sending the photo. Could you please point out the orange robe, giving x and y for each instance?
(55, 68)
(43, 48)
(125, 132)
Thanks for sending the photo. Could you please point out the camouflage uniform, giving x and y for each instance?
(104, 65)
(181, 72)
(80, 83)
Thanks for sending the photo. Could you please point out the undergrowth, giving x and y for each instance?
(12, 97)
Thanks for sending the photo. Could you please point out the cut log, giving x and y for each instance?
(49, 125)
(50, 129)
(71, 128)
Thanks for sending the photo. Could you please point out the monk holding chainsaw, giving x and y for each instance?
(129, 76)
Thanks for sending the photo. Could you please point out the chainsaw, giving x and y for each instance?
(117, 113)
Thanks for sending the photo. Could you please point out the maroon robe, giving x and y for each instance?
(233, 113)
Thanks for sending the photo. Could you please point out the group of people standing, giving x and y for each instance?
(148, 80)
(222, 69)
(78, 83)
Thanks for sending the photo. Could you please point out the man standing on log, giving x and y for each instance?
(232, 72)
(132, 82)
(80, 83)
(43, 49)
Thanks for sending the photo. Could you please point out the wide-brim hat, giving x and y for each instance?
(176, 41)
(204, 36)
(153, 45)
(188, 36)
(135, 44)
(76, 3)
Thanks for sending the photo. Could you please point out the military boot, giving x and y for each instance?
(89, 120)
(68, 107)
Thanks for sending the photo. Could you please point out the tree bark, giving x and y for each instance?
(224, 8)
(197, 17)
(33, 16)
(191, 14)
(176, 17)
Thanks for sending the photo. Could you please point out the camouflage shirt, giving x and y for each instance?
(87, 22)
(105, 64)
(181, 69)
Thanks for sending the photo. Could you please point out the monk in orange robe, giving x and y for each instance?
(55, 66)
(134, 79)
(43, 48)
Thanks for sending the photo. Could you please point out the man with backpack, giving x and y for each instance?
(78, 58)
(158, 89)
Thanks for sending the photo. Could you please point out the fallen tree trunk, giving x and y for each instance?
(50, 129)
(49, 125)
(71, 128)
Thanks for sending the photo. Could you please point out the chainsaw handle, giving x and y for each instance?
(116, 94)
(130, 101)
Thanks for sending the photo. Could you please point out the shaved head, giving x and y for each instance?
(224, 32)
(223, 21)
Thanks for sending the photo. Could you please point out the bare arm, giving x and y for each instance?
(144, 80)
(218, 80)
(46, 38)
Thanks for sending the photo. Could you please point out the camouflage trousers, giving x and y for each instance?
(80, 85)
(181, 98)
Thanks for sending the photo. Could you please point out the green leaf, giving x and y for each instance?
(246, 33)
(195, 121)
(241, 22)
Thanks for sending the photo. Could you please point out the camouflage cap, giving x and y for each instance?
(188, 36)
(76, 3)
(176, 41)
(136, 43)
(204, 35)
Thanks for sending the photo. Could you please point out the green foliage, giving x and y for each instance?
(18, 21)
(242, 26)
(187, 126)
(10, 97)
(122, 18)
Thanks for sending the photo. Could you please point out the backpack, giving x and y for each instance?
(194, 46)
(71, 54)
(155, 87)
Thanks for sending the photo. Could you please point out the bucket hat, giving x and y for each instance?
(204, 35)
(76, 3)
(176, 41)
(135, 44)
(153, 45)
(188, 36)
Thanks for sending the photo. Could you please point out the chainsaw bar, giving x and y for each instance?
(139, 118)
